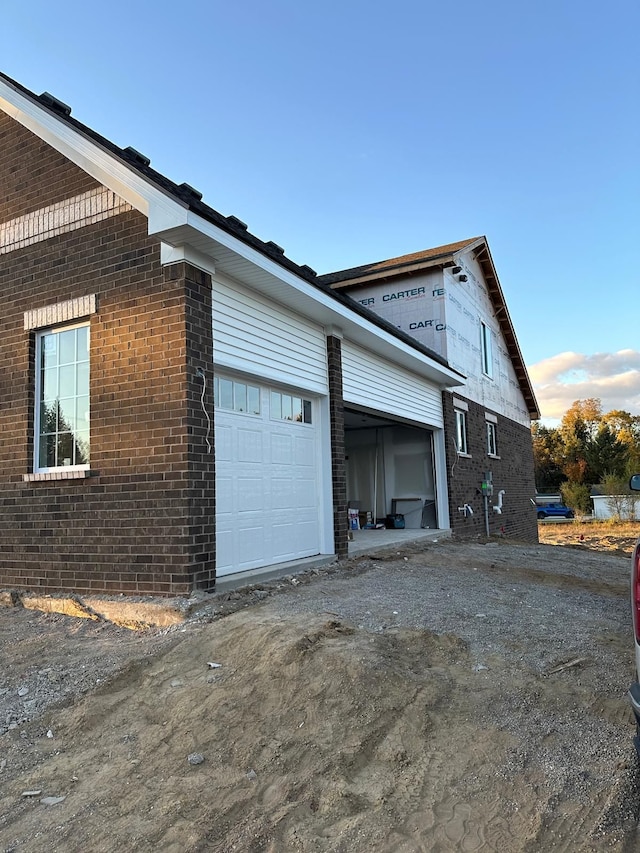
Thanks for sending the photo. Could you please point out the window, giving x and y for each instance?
(284, 407)
(62, 398)
(236, 396)
(492, 439)
(461, 431)
(485, 349)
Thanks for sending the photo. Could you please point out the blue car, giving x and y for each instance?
(555, 511)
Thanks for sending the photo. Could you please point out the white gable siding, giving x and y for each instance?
(416, 305)
(468, 305)
(445, 314)
(259, 337)
(374, 383)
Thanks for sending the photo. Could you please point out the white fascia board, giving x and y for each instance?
(318, 305)
(89, 156)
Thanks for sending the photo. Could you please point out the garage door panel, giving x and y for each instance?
(249, 493)
(250, 445)
(266, 489)
(281, 448)
(303, 452)
(224, 549)
(224, 443)
(284, 541)
(305, 493)
(282, 493)
(225, 495)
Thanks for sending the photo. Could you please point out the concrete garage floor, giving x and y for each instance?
(363, 542)
(366, 540)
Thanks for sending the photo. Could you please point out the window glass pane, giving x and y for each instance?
(226, 394)
(239, 397)
(82, 413)
(49, 417)
(67, 415)
(461, 432)
(253, 400)
(49, 384)
(82, 378)
(276, 405)
(491, 439)
(47, 451)
(49, 346)
(287, 408)
(296, 409)
(82, 448)
(65, 449)
(67, 347)
(82, 336)
(67, 381)
(306, 406)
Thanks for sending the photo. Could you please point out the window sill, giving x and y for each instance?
(464, 455)
(48, 476)
(493, 456)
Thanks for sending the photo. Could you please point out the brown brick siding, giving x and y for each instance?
(513, 472)
(32, 174)
(145, 522)
(338, 466)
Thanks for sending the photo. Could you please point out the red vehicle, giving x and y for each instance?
(634, 690)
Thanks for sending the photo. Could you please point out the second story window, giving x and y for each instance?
(485, 350)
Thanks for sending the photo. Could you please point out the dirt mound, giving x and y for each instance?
(305, 731)
(328, 719)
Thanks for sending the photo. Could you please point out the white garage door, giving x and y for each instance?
(267, 496)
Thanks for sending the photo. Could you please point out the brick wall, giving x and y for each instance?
(512, 471)
(145, 521)
(32, 174)
(338, 467)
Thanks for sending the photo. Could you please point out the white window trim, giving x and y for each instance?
(61, 471)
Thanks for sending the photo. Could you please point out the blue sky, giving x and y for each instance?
(354, 131)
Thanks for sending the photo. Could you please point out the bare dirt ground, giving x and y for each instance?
(439, 697)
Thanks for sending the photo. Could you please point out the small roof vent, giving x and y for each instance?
(237, 223)
(187, 189)
(308, 270)
(274, 247)
(54, 104)
(136, 157)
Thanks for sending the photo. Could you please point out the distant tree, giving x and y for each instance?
(582, 418)
(586, 446)
(577, 496)
(578, 427)
(606, 454)
(627, 430)
(547, 458)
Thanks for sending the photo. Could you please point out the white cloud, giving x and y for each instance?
(568, 376)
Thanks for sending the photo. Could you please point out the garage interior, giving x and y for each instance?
(390, 470)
